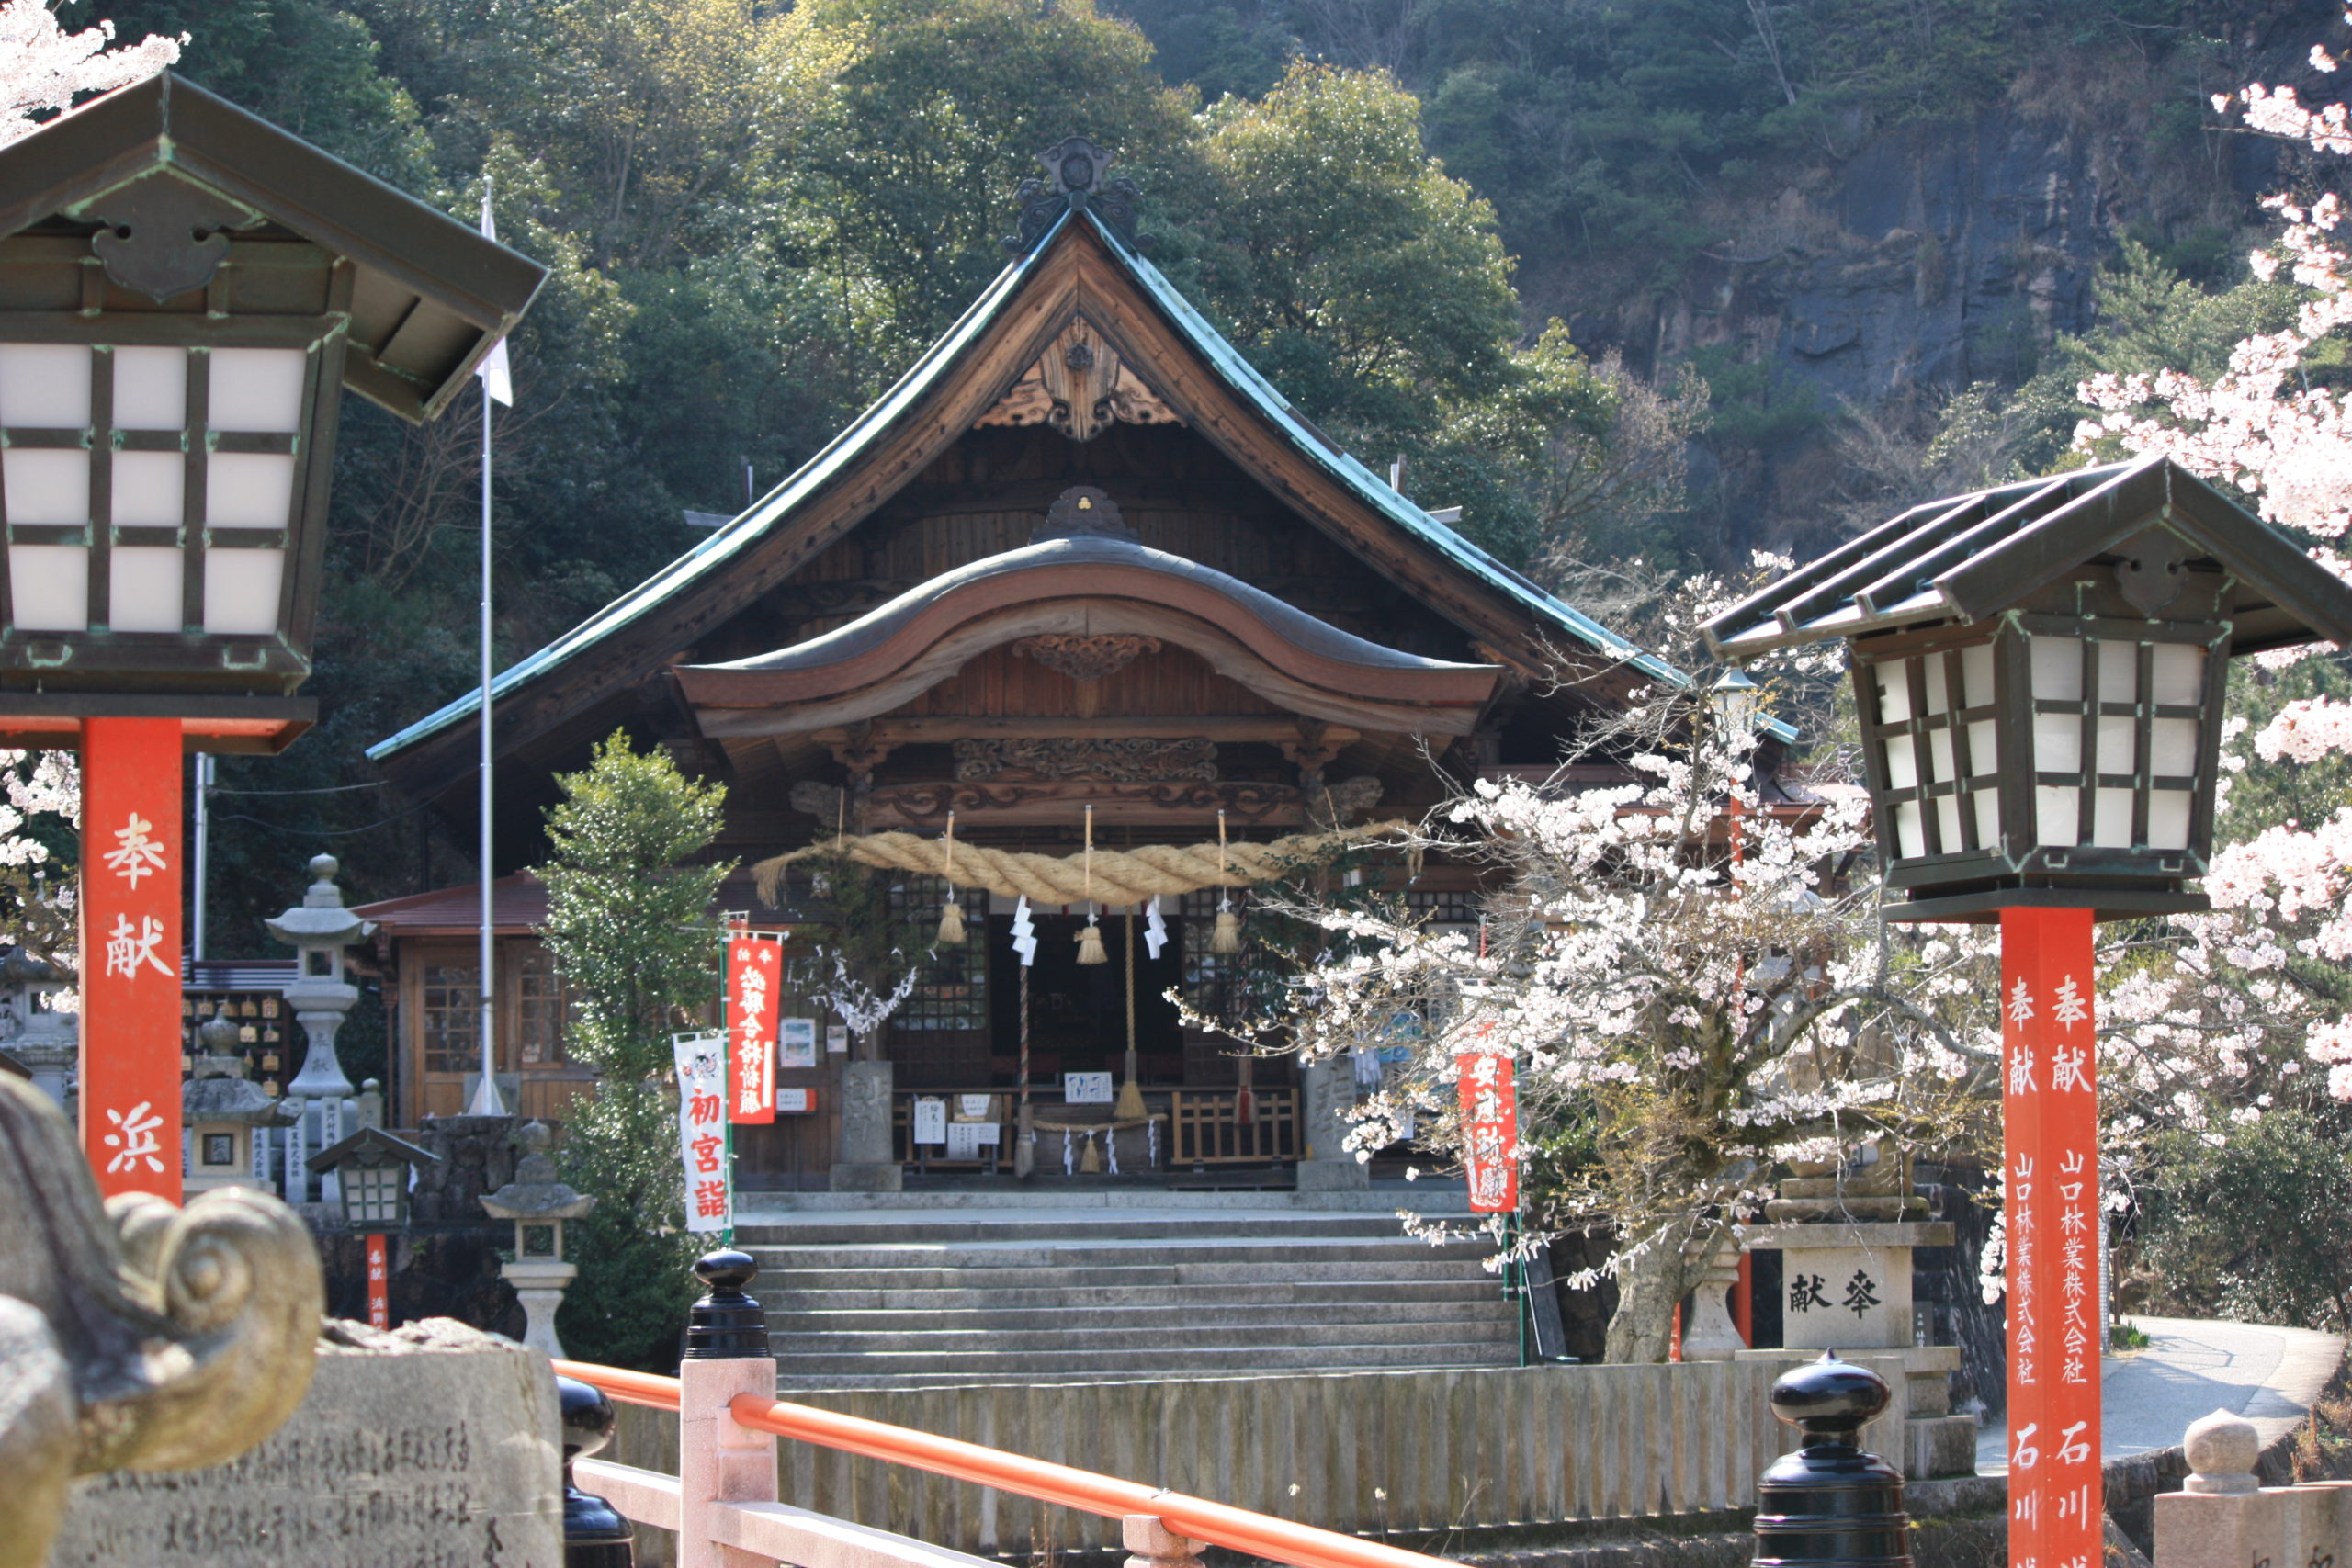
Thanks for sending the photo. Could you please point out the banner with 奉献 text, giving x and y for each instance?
(702, 1129)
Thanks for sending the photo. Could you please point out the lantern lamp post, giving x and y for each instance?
(2039, 670)
(186, 293)
(538, 1203)
(372, 1169)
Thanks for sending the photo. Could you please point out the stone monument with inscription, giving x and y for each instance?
(432, 1444)
(1846, 1233)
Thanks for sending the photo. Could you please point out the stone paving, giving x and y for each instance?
(2268, 1375)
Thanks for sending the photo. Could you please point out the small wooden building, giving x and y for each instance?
(1082, 554)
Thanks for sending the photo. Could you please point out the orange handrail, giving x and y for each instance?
(1260, 1535)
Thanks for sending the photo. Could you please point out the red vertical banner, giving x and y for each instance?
(2049, 1166)
(1489, 1130)
(754, 973)
(130, 953)
(380, 1285)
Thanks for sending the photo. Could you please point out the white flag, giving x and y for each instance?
(1024, 934)
(497, 381)
(1155, 930)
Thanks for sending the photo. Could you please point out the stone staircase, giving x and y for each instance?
(911, 1297)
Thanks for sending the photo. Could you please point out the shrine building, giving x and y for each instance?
(1082, 555)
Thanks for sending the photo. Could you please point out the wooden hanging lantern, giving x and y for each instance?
(2039, 670)
(186, 291)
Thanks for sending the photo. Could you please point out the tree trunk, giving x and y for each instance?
(1649, 1290)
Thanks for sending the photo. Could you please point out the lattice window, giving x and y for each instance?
(451, 1005)
(953, 990)
(1441, 909)
(543, 1006)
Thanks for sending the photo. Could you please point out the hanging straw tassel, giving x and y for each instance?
(1227, 937)
(950, 913)
(1090, 937)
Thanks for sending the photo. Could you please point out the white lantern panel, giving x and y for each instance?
(1976, 675)
(241, 591)
(45, 485)
(2057, 665)
(1983, 747)
(2057, 743)
(1940, 756)
(143, 589)
(2117, 738)
(49, 587)
(2056, 810)
(248, 490)
(2169, 818)
(1939, 692)
(1910, 837)
(2111, 818)
(1893, 690)
(2178, 676)
(2118, 671)
(44, 386)
(256, 390)
(148, 487)
(1948, 822)
(1988, 817)
(1902, 762)
(2171, 747)
(150, 389)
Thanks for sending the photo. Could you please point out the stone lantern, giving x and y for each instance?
(42, 1038)
(221, 1110)
(319, 928)
(538, 1203)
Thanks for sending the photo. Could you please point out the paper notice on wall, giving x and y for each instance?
(836, 1039)
(702, 1128)
(1086, 1089)
(930, 1121)
(970, 1140)
(796, 1042)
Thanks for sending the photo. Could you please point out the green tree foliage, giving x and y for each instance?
(2249, 1225)
(629, 923)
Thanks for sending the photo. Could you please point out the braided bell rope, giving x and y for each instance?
(1121, 876)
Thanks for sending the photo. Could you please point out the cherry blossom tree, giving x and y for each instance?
(1690, 989)
(43, 68)
(2255, 991)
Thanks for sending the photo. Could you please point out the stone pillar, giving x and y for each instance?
(868, 1162)
(1152, 1544)
(1326, 1089)
(1710, 1334)
(720, 1460)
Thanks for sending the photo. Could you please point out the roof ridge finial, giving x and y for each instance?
(1076, 180)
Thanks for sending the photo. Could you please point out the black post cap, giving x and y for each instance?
(595, 1533)
(1830, 1503)
(726, 1325)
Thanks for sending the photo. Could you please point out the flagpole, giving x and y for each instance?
(487, 1100)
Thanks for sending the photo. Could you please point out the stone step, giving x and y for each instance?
(1269, 1270)
(1150, 1343)
(1170, 1318)
(822, 1231)
(1400, 1292)
(911, 1368)
(1068, 1253)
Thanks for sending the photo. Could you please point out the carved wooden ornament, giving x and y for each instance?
(1083, 658)
(1080, 386)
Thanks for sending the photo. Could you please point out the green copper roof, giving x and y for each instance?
(726, 543)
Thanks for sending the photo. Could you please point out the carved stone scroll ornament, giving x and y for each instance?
(1126, 759)
(1083, 657)
(135, 1334)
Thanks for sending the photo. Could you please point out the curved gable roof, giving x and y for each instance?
(913, 404)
